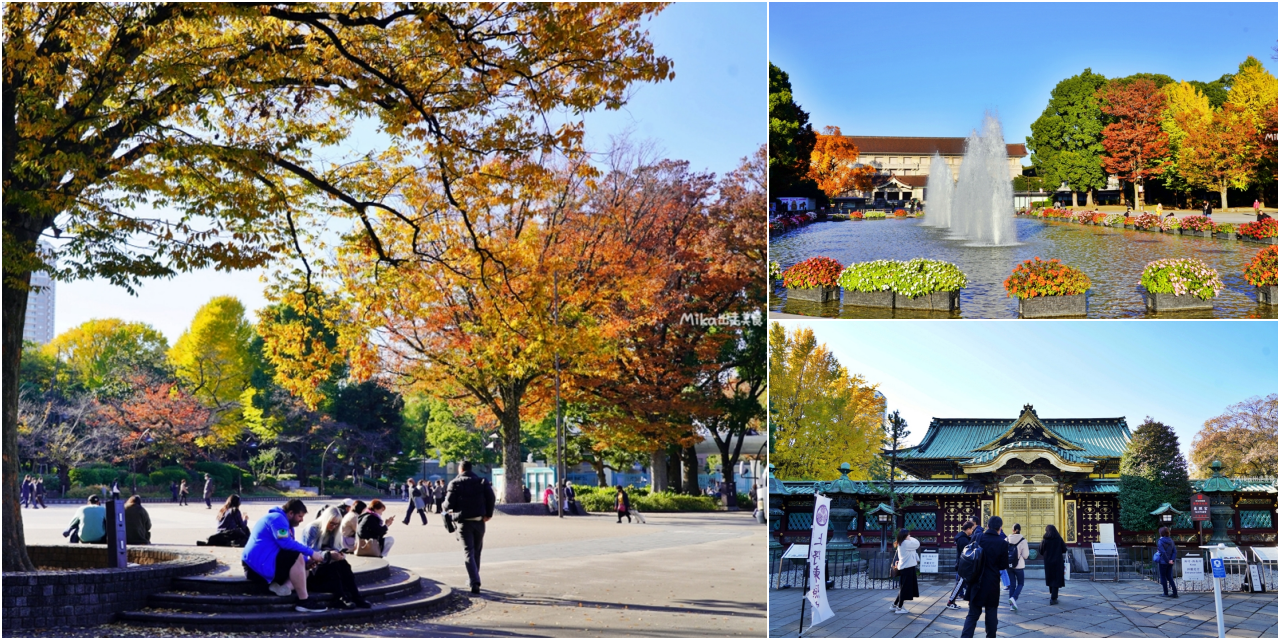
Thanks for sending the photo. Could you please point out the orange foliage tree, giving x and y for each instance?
(1134, 140)
(1221, 152)
(833, 164)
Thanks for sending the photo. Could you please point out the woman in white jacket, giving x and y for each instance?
(906, 561)
(1017, 575)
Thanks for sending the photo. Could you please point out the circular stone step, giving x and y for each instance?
(432, 596)
(400, 583)
(232, 580)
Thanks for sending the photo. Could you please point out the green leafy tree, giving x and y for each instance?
(100, 355)
(1066, 140)
(1217, 90)
(1152, 471)
(213, 361)
(370, 418)
(791, 141)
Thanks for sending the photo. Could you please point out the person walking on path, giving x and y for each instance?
(963, 537)
(439, 496)
(274, 558)
(173, 488)
(470, 498)
(115, 489)
(25, 491)
(1166, 554)
(137, 522)
(208, 491)
(1053, 549)
(622, 503)
(417, 501)
(1019, 552)
(984, 591)
(1257, 208)
(183, 491)
(39, 490)
(905, 562)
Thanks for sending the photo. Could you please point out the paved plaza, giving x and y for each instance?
(680, 575)
(1127, 609)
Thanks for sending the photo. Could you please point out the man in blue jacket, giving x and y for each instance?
(274, 557)
(984, 593)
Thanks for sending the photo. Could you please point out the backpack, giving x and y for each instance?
(1013, 554)
(969, 566)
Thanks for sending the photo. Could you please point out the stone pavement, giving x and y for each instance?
(680, 575)
(1085, 609)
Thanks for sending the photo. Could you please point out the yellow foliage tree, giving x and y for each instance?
(1184, 104)
(213, 362)
(821, 414)
(833, 164)
(101, 354)
(1254, 91)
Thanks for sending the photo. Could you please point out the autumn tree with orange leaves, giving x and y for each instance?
(1134, 140)
(834, 164)
(226, 114)
(1220, 152)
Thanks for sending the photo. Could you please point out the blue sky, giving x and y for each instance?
(931, 69)
(713, 114)
(1180, 373)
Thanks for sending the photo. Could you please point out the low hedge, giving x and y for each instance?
(601, 499)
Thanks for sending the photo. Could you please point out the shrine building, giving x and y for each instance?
(1028, 470)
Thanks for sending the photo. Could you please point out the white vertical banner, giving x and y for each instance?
(817, 593)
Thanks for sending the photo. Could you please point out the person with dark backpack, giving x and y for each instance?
(1018, 554)
(962, 538)
(980, 565)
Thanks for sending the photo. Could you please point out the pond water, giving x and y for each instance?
(1112, 258)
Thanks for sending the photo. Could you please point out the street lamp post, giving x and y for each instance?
(326, 452)
(133, 462)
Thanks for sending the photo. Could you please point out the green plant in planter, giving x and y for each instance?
(812, 273)
(1225, 227)
(920, 276)
(875, 215)
(1115, 220)
(775, 272)
(1182, 277)
(1038, 278)
(1261, 271)
(877, 275)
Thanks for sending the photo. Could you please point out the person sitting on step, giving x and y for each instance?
(233, 528)
(273, 557)
(323, 532)
(89, 525)
(371, 531)
(347, 528)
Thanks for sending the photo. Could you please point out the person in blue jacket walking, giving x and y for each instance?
(272, 555)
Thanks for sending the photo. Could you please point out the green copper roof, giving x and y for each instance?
(1257, 485)
(1107, 485)
(956, 438)
(1070, 456)
(915, 487)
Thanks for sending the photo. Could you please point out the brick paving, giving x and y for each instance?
(1129, 609)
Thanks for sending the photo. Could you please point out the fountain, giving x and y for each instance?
(940, 187)
(981, 208)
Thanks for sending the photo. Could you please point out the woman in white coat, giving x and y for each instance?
(906, 560)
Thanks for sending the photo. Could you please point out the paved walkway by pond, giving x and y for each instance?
(680, 575)
(1129, 609)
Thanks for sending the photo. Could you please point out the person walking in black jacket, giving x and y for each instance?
(984, 592)
(470, 499)
(1052, 549)
(963, 537)
(417, 501)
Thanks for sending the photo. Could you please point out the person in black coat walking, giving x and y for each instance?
(1052, 549)
(469, 498)
(963, 537)
(984, 593)
(417, 501)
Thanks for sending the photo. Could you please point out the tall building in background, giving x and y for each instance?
(40, 305)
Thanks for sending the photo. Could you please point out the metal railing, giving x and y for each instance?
(850, 569)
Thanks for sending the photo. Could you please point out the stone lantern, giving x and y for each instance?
(843, 493)
(1219, 489)
(777, 493)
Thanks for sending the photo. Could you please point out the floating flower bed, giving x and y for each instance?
(875, 215)
(1225, 230)
(1047, 289)
(915, 284)
(856, 215)
(1115, 220)
(1100, 218)
(900, 213)
(775, 271)
(1259, 230)
(1170, 225)
(1180, 284)
(1147, 221)
(1197, 223)
(1261, 273)
(813, 279)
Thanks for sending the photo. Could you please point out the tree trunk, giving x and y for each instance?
(1089, 198)
(1074, 198)
(512, 463)
(658, 470)
(690, 457)
(598, 466)
(675, 479)
(14, 318)
(1223, 193)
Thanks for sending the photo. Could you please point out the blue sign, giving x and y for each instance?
(1219, 571)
